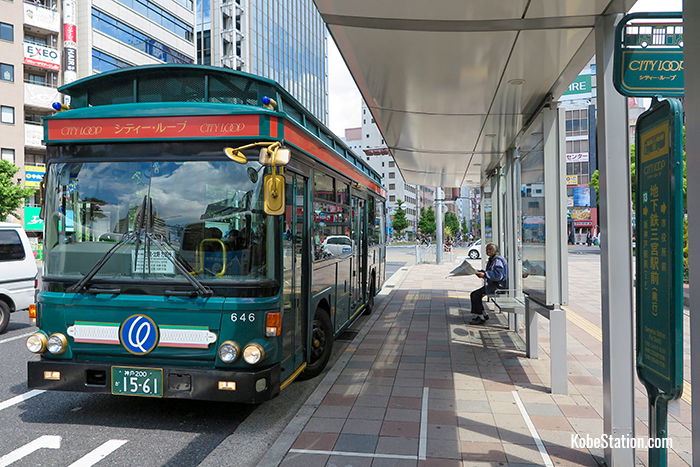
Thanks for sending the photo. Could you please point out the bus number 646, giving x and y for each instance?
(250, 317)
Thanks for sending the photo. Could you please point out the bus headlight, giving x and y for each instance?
(36, 343)
(58, 343)
(253, 353)
(229, 351)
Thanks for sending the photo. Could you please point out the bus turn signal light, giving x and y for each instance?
(273, 324)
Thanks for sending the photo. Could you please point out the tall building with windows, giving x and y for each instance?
(367, 141)
(282, 40)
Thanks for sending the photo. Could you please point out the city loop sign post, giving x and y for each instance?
(649, 55)
(649, 63)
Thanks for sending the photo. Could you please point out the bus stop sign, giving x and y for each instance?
(649, 55)
(659, 251)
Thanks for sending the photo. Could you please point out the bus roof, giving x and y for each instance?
(173, 83)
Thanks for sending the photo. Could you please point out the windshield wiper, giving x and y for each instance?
(144, 221)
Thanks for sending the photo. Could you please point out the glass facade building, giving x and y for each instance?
(284, 40)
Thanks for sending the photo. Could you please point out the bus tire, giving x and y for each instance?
(321, 345)
(4, 316)
(369, 307)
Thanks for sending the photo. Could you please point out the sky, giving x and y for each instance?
(344, 97)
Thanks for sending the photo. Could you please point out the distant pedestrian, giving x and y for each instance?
(589, 239)
(495, 277)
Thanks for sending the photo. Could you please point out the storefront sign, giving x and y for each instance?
(572, 180)
(577, 157)
(42, 56)
(33, 175)
(32, 221)
(581, 85)
(152, 127)
(582, 196)
(649, 59)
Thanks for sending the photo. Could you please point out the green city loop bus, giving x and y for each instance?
(205, 238)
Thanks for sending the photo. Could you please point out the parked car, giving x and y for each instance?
(17, 272)
(337, 245)
(474, 251)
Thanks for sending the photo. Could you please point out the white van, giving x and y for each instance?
(17, 272)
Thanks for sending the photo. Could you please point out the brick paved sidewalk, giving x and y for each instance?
(419, 386)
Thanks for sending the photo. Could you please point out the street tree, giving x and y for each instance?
(12, 194)
(399, 222)
(451, 222)
(465, 229)
(427, 221)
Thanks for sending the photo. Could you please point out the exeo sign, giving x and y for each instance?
(42, 56)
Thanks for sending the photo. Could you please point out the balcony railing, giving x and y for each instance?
(33, 134)
(41, 96)
(41, 16)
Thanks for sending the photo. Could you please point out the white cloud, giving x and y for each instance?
(345, 103)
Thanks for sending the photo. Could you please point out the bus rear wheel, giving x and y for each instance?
(321, 344)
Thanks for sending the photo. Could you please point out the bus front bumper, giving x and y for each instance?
(249, 387)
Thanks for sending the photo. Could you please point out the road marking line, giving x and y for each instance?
(42, 442)
(353, 454)
(20, 398)
(423, 443)
(597, 333)
(99, 453)
(533, 431)
(10, 339)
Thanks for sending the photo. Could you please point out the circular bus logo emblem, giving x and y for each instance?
(139, 334)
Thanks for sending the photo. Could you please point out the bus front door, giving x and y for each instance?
(293, 243)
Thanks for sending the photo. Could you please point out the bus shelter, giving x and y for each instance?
(465, 94)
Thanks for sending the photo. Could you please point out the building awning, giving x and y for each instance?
(452, 83)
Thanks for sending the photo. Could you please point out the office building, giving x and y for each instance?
(285, 41)
(367, 141)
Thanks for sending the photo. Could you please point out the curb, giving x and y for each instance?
(283, 444)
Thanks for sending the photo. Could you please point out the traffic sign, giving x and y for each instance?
(649, 55)
(659, 286)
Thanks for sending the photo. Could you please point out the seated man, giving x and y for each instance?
(495, 277)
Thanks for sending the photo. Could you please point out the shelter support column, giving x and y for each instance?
(512, 231)
(691, 39)
(616, 249)
(439, 198)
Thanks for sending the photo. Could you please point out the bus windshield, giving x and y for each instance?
(208, 214)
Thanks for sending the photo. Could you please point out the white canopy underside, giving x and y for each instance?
(444, 79)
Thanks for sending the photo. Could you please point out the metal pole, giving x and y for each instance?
(438, 225)
(691, 40)
(616, 249)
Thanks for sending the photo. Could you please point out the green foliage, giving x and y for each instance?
(427, 221)
(595, 184)
(399, 222)
(465, 228)
(12, 195)
(451, 223)
(448, 232)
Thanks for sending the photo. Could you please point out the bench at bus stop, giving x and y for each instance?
(504, 302)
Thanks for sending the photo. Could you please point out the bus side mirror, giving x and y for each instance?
(273, 190)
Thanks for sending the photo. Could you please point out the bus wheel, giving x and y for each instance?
(370, 301)
(4, 316)
(321, 344)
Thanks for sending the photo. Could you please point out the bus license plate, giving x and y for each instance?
(130, 381)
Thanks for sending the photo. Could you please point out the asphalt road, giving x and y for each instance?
(78, 430)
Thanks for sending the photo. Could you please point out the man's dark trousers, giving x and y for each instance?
(477, 303)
